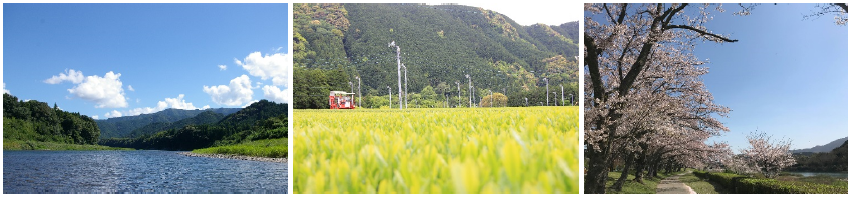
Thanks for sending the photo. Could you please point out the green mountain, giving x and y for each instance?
(122, 127)
(206, 117)
(440, 44)
(261, 120)
(836, 160)
(36, 121)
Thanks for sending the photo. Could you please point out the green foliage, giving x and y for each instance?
(36, 145)
(498, 99)
(835, 161)
(261, 120)
(440, 44)
(748, 185)
(36, 121)
(270, 148)
(499, 150)
(701, 185)
(123, 127)
(632, 187)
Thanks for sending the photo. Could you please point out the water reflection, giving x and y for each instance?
(136, 172)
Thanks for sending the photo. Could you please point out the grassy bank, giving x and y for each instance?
(36, 145)
(821, 179)
(702, 186)
(633, 187)
(743, 184)
(270, 148)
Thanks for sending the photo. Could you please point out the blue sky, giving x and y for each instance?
(129, 59)
(786, 76)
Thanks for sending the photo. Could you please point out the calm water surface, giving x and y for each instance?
(136, 172)
(832, 174)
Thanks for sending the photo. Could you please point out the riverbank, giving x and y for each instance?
(238, 157)
(36, 145)
(268, 148)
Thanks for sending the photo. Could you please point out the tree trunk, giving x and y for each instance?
(628, 162)
(595, 179)
(641, 165)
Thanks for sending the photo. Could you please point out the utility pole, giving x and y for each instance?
(459, 99)
(547, 91)
(398, 72)
(572, 100)
(405, 71)
(470, 95)
(390, 104)
(554, 100)
(492, 98)
(359, 90)
(563, 94)
(526, 103)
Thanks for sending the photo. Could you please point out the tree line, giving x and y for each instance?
(36, 121)
(335, 44)
(261, 120)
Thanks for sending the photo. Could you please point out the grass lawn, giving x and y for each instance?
(821, 179)
(702, 186)
(633, 187)
(36, 145)
(269, 148)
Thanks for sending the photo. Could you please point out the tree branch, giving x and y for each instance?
(703, 33)
(844, 6)
(591, 60)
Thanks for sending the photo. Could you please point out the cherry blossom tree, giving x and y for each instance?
(766, 155)
(644, 89)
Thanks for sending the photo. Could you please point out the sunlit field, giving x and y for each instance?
(453, 150)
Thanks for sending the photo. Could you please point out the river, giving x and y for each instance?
(832, 174)
(143, 171)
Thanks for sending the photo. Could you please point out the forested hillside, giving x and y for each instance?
(261, 120)
(122, 127)
(206, 117)
(440, 44)
(836, 160)
(36, 121)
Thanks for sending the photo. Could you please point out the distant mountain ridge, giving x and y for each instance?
(823, 148)
(121, 127)
(261, 120)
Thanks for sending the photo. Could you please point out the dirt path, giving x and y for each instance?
(673, 185)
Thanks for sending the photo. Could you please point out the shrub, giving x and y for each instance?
(749, 185)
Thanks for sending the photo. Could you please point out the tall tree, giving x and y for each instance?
(639, 62)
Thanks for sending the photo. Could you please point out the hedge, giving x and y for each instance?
(746, 185)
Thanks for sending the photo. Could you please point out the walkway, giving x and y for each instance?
(673, 185)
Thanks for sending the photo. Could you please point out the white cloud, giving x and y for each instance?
(177, 103)
(268, 67)
(105, 91)
(129, 87)
(205, 107)
(249, 103)
(70, 75)
(112, 114)
(223, 67)
(4, 89)
(238, 92)
(277, 95)
(95, 117)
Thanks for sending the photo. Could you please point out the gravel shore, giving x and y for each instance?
(238, 157)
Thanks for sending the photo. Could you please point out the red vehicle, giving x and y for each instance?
(341, 100)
